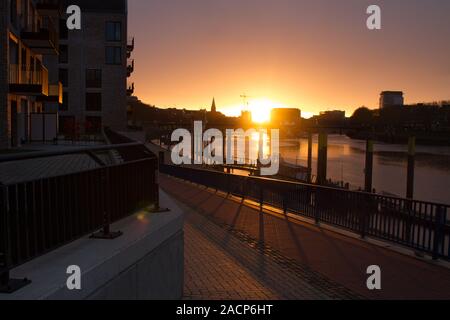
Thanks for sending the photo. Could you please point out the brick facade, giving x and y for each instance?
(86, 49)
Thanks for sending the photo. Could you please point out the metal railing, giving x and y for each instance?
(19, 75)
(39, 216)
(422, 226)
(126, 153)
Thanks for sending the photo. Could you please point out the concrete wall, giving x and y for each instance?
(147, 262)
(158, 276)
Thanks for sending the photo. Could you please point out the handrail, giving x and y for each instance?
(75, 205)
(304, 184)
(423, 226)
(67, 151)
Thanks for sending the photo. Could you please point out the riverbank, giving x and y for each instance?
(422, 138)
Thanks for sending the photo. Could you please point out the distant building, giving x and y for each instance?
(246, 117)
(286, 117)
(391, 99)
(335, 118)
(47, 71)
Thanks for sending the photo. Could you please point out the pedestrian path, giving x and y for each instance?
(232, 248)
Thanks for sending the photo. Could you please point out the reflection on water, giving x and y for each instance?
(346, 162)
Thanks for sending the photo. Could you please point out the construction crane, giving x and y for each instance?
(245, 98)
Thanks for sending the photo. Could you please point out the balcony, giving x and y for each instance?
(55, 94)
(130, 68)
(28, 82)
(130, 90)
(130, 47)
(43, 41)
(50, 8)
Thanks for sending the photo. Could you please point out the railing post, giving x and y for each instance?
(154, 166)
(7, 285)
(316, 207)
(261, 196)
(161, 158)
(106, 233)
(363, 213)
(440, 220)
(285, 203)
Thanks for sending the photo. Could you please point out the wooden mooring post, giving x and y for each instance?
(411, 167)
(322, 159)
(369, 167)
(310, 153)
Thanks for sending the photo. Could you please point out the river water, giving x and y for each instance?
(346, 162)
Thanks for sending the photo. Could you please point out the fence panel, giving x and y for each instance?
(419, 225)
(39, 216)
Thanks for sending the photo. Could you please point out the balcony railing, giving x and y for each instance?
(130, 68)
(130, 46)
(130, 89)
(55, 94)
(28, 82)
(43, 41)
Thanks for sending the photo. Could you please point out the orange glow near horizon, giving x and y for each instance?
(261, 109)
(311, 55)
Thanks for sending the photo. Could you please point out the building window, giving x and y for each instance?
(63, 31)
(113, 55)
(64, 77)
(13, 12)
(65, 104)
(93, 101)
(113, 31)
(93, 125)
(63, 53)
(93, 78)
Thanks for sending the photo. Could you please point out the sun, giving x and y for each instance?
(261, 110)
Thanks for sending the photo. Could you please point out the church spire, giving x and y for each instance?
(213, 106)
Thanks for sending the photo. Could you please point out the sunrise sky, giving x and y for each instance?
(313, 55)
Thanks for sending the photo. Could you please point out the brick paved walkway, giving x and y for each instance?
(223, 266)
(281, 257)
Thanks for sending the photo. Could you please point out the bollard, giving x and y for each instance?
(161, 158)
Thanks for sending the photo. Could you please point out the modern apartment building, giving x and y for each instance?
(94, 65)
(55, 80)
(29, 39)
